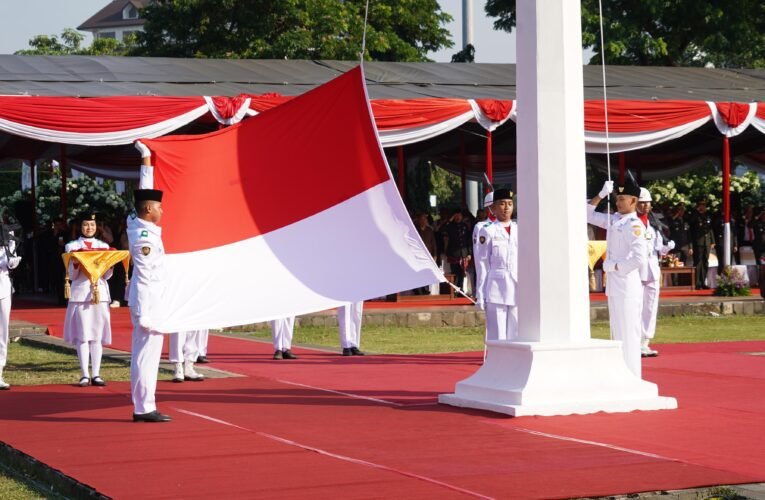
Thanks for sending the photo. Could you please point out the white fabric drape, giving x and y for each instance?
(243, 111)
(595, 142)
(726, 129)
(401, 137)
(102, 138)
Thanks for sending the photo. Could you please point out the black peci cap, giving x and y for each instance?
(147, 195)
(502, 194)
(629, 188)
(88, 215)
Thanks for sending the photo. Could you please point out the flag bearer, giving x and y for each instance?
(349, 322)
(281, 333)
(625, 256)
(145, 298)
(87, 326)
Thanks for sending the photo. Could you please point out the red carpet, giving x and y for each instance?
(274, 434)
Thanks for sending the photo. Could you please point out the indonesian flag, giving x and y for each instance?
(289, 212)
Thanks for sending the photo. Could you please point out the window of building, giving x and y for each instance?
(130, 12)
(106, 34)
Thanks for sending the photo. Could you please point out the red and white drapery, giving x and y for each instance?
(102, 121)
(105, 121)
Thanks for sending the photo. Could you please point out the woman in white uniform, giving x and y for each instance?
(87, 326)
(8, 261)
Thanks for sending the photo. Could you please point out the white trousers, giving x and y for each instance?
(349, 322)
(501, 321)
(144, 367)
(184, 346)
(624, 319)
(281, 333)
(650, 308)
(202, 338)
(5, 328)
(90, 352)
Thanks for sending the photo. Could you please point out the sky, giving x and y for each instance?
(23, 19)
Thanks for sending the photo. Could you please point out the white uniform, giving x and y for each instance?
(202, 338)
(145, 297)
(6, 289)
(349, 322)
(625, 244)
(650, 276)
(84, 320)
(87, 326)
(184, 346)
(496, 266)
(281, 333)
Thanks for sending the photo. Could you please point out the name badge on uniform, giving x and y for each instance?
(145, 250)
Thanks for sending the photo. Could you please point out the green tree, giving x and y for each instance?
(666, 32)
(398, 30)
(687, 188)
(70, 43)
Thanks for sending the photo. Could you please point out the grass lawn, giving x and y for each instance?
(398, 340)
(30, 364)
(14, 489)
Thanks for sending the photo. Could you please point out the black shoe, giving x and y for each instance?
(152, 416)
(288, 354)
(202, 359)
(84, 382)
(356, 352)
(278, 355)
(347, 351)
(98, 381)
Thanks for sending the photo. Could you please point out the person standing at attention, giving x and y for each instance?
(496, 264)
(145, 299)
(8, 261)
(87, 325)
(650, 274)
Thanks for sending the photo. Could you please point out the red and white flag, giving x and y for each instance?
(289, 212)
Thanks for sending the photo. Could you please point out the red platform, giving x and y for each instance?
(327, 426)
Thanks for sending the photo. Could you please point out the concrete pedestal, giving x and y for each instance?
(533, 378)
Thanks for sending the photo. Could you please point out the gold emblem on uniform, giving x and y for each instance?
(145, 250)
(482, 240)
(621, 189)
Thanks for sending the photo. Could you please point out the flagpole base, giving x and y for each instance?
(545, 379)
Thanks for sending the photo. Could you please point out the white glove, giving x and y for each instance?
(480, 305)
(145, 152)
(145, 322)
(671, 245)
(13, 262)
(607, 189)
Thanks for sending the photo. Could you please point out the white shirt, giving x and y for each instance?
(6, 265)
(626, 252)
(81, 290)
(148, 254)
(496, 263)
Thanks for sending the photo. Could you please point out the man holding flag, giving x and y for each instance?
(145, 297)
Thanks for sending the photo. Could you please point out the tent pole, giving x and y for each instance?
(35, 277)
(622, 167)
(34, 197)
(401, 173)
(489, 165)
(463, 172)
(62, 167)
(726, 201)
